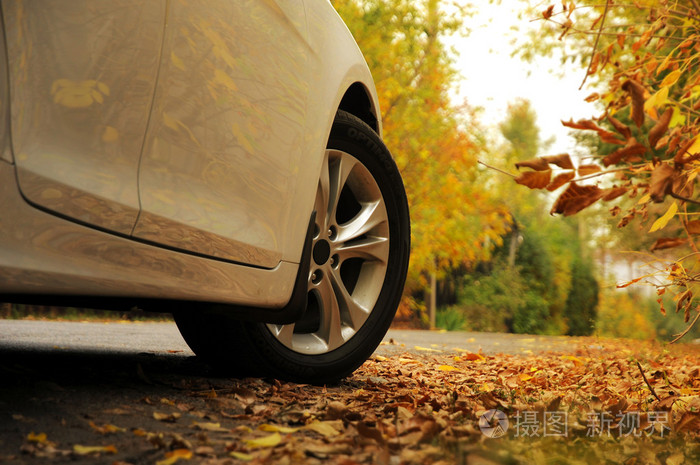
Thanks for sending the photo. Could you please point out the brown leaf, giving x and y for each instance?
(693, 227)
(684, 300)
(370, 432)
(613, 193)
(631, 149)
(636, 91)
(537, 164)
(619, 127)
(562, 161)
(660, 127)
(560, 180)
(585, 124)
(585, 170)
(668, 243)
(575, 198)
(581, 124)
(534, 179)
(661, 182)
(546, 14)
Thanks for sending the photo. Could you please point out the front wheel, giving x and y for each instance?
(358, 268)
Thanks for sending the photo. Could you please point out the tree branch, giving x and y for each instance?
(690, 326)
(496, 169)
(595, 45)
(653, 392)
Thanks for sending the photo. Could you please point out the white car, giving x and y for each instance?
(217, 159)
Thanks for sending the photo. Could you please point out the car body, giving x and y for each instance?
(169, 152)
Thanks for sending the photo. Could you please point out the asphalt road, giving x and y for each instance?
(115, 338)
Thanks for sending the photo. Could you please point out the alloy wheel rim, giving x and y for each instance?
(349, 261)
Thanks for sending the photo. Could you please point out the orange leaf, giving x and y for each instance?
(534, 179)
(560, 180)
(585, 170)
(693, 227)
(613, 193)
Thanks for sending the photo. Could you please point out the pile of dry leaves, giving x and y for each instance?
(601, 403)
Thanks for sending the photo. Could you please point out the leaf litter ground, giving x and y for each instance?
(602, 401)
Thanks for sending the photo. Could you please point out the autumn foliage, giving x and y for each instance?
(642, 59)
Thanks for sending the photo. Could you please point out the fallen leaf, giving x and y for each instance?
(325, 428)
(175, 455)
(277, 429)
(242, 456)
(86, 450)
(167, 417)
(448, 368)
(263, 442)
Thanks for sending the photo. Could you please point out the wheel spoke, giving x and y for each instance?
(284, 333)
(370, 248)
(369, 217)
(330, 330)
(356, 313)
(323, 196)
(339, 172)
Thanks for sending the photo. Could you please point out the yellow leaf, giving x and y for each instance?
(658, 99)
(324, 428)
(677, 119)
(448, 368)
(425, 349)
(166, 416)
(267, 441)
(695, 148)
(175, 455)
(379, 358)
(486, 387)
(40, 438)
(85, 450)
(242, 456)
(106, 428)
(576, 360)
(663, 221)
(644, 199)
(671, 78)
(208, 426)
(277, 429)
(524, 377)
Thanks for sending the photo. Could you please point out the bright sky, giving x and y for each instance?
(492, 78)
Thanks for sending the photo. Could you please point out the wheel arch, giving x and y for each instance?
(357, 102)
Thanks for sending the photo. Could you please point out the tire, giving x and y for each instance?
(358, 268)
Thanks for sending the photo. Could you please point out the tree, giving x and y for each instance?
(644, 58)
(455, 220)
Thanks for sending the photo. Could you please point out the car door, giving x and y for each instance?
(224, 147)
(82, 75)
